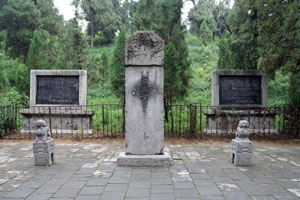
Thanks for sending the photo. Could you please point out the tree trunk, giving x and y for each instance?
(92, 33)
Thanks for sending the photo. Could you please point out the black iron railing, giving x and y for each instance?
(188, 121)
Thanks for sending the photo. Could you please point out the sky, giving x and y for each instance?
(67, 10)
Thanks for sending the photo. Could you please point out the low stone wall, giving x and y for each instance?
(61, 121)
(220, 122)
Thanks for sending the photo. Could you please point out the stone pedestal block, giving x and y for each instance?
(64, 120)
(222, 122)
(144, 160)
(241, 152)
(44, 154)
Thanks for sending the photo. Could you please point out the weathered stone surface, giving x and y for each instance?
(269, 177)
(43, 147)
(144, 92)
(64, 121)
(59, 96)
(144, 110)
(241, 149)
(241, 88)
(82, 85)
(144, 48)
(225, 121)
(144, 160)
(242, 94)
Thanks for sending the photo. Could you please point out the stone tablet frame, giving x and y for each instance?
(215, 74)
(82, 84)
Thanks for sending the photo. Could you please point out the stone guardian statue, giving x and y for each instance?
(241, 146)
(43, 147)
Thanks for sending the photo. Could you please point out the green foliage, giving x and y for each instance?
(202, 11)
(204, 59)
(164, 18)
(172, 68)
(19, 34)
(215, 16)
(244, 46)
(50, 20)
(103, 17)
(117, 70)
(3, 39)
(225, 55)
(279, 35)
(7, 114)
(205, 33)
(13, 97)
(36, 58)
(145, 16)
(294, 90)
(278, 89)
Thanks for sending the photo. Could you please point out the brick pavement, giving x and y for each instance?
(89, 171)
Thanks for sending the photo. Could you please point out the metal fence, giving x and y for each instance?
(187, 121)
(8, 119)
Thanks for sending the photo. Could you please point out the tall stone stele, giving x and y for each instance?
(241, 149)
(43, 146)
(144, 93)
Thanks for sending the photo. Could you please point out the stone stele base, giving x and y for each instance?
(64, 120)
(44, 152)
(144, 160)
(241, 152)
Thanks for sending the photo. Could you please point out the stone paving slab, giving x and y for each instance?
(90, 172)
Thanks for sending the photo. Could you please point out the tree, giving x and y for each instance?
(50, 20)
(127, 12)
(225, 55)
(205, 33)
(36, 58)
(279, 36)
(202, 11)
(244, 25)
(172, 67)
(103, 19)
(117, 71)
(145, 17)
(20, 18)
(164, 18)
(74, 43)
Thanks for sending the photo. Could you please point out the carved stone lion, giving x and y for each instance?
(42, 132)
(242, 132)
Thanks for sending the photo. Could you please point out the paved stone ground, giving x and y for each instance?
(205, 172)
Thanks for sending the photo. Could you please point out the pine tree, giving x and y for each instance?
(172, 69)
(103, 17)
(117, 71)
(20, 18)
(225, 55)
(205, 33)
(36, 57)
(164, 18)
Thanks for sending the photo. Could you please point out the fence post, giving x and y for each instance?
(103, 120)
(192, 121)
(50, 123)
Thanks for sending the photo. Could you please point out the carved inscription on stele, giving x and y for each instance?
(144, 48)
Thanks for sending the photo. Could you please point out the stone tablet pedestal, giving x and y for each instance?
(237, 95)
(43, 153)
(241, 146)
(43, 147)
(144, 83)
(59, 98)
